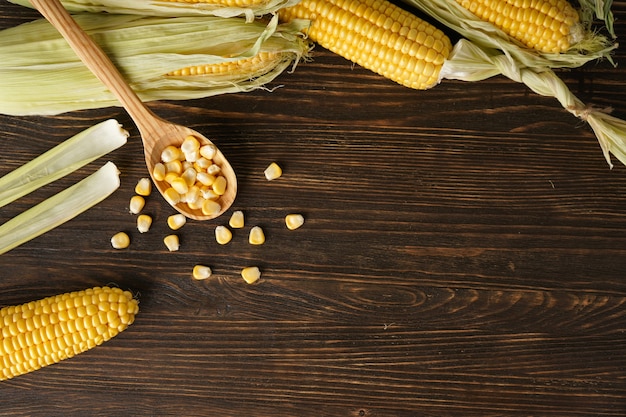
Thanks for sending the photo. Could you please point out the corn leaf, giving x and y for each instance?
(59, 208)
(252, 9)
(61, 160)
(42, 75)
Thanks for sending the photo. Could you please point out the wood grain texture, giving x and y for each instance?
(464, 254)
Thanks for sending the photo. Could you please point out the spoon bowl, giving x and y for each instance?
(156, 133)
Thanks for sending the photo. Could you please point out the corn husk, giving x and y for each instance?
(59, 208)
(486, 52)
(254, 8)
(41, 75)
(63, 159)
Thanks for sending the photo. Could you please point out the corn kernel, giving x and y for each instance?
(159, 171)
(170, 177)
(190, 144)
(208, 151)
(180, 185)
(143, 223)
(144, 187)
(201, 272)
(223, 235)
(202, 163)
(189, 175)
(172, 243)
(214, 169)
(209, 194)
(219, 186)
(236, 220)
(174, 166)
(120, 240)
(171, 196)
(205, 178)
(293, 221)
(137, 203)
(273, 171)
(170, 153)
(211, 207)
(176, 221)
(256, 237)
(251, 274)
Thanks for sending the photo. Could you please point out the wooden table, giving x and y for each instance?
(464, 254)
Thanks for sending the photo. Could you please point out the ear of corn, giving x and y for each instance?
(175, 8)
(547, 25)
(378, 36)
(52, 329)
(162, 58)
(495, 23)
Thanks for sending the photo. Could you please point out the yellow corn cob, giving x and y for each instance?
(44, 332)
(247, 65)
(545, 25)
(378, 36)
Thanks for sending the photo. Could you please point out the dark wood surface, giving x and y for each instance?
(464, 254)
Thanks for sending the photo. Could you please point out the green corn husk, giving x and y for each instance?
(250, 9)
(487, 52)
(41, 75)
(59, 208)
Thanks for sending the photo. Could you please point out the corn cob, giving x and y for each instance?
(162, 58)
(378, 36)
(551, 26)
(49, 330)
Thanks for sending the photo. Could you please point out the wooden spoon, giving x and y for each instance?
(156, 133)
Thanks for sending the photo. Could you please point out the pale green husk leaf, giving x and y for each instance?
(470, 62)
(59, 208)
(41, 74)
(169, 8)
(61, 160)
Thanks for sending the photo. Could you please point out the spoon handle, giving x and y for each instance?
(97, 61)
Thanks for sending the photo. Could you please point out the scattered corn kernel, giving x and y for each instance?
(201, 272)
(143, 223)
(257, 237)
(172, 243)
(293, 221)
(137, 203)
(176, 221)
(273, 171)
(251, 274)
(120, 240)
(144, 187)
(236, 220)
(223, 235)
(219, 185)
(210, 207)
